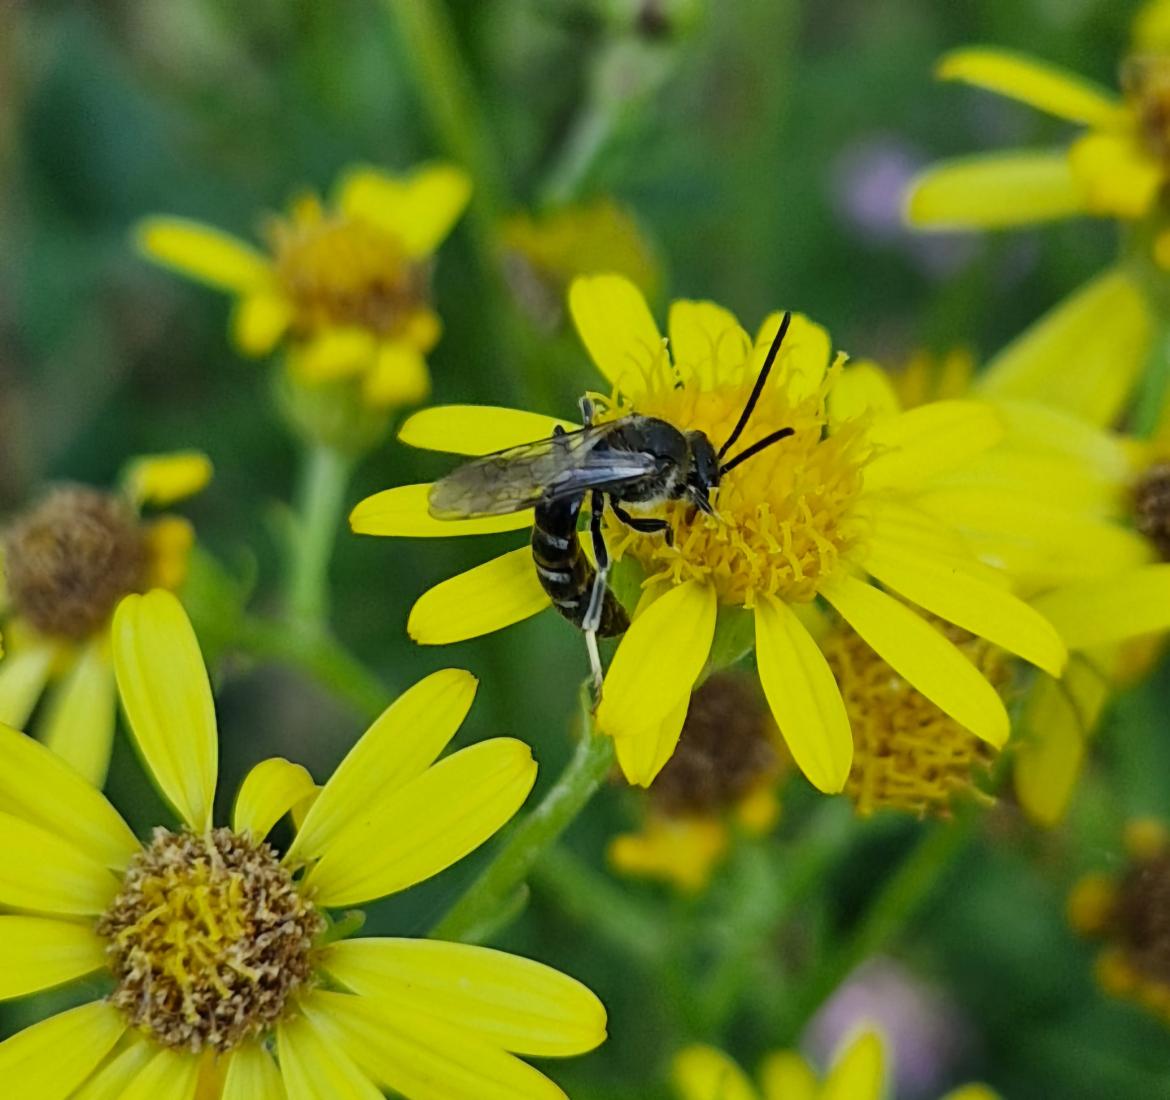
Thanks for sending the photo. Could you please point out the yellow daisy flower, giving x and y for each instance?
(347, 284)
(858, 1073)
(721, 780)
(1127, 909)
(1117, 168)
(66, 562)
(823, 515)
(225, 979)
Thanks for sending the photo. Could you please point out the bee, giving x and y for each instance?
(634, 460)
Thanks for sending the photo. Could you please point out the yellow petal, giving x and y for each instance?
(260, 319)
(79, 725)
(403, 512)
(398, 376)
(1084, 355)
(203, 253)
(507, 1001)
(269, 791)
(42, 873)
(863, 388)
(643, 752)
(252, 1075)
(169, 540)
(804, 359)
(962, 598)
(617, 329)
(658, 662)
(972, 1092)
(477, 429)
(682, 851)
(167, 698)
(926, 442)
(1111, 609)
(859, 1073)
(40, 787)
(1119, 178)
(425, 826)
(50, 1059)
(803, 696)
(419, 209)
(1046, 87)
(333, 354)
(787, 1076)
(163, 479)
(37, 953)
(169, 1075)
(491, 596)
(1057, 721)
(112, 1080)
(920, 653)
(707, 340)
(314, 1067)
(404, 741)
(704, 1073)
(421, 1057)
(23, 675)
(996, 191)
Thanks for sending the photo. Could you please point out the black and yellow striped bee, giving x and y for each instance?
(633, 460)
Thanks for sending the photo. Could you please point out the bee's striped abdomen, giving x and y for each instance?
(564, 571)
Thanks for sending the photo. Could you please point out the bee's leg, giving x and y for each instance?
(592, 619)
(644, 525)
(587, 411)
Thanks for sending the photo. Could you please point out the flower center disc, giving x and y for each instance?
(785, 516)
(68, 561)
(345, 271)
(208, 940)
(1146, 81)
(1143, 918)
(1151, 506)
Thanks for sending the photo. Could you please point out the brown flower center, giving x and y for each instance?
(1146, 83)
(1142, 917)
(208, 940)
(725, 748)
(69, 560)
(1151, 507)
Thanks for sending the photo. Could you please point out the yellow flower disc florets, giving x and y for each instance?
(785, 517)
(346, 271)
(1146, 81)
(208, 940)
(907, 754)
(69, 560)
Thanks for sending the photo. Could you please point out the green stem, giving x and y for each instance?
(528, 840)
(319, 654)
(321, 500)
(898, 902)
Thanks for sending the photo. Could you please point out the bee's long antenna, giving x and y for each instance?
(758, 388)
(755, 449)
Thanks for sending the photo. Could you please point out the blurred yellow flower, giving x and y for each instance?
(1116, 169)
(858, 1073)
(67, 561)
(544, 253)
(832, 512)
(346, 284)
(721, 781)
(227, 983)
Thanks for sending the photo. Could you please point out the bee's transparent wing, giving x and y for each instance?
(519, 477)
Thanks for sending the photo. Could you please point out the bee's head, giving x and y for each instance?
(702, 471)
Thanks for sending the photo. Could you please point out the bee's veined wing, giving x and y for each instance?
(519, 477)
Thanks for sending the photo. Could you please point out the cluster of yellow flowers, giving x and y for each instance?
(926, 571)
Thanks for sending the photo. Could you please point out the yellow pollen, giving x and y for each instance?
(784, 518)
(907, 754)
(208, 940)
(341, 271)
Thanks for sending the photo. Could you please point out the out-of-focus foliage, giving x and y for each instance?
(763, 156)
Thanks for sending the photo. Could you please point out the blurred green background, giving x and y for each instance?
(762, 146)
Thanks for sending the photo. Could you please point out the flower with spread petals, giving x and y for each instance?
(225, 976)
(858, 1073)
(66, 562)
(346, 285)
(1127, 909)
(720, 782)
(830, 513)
